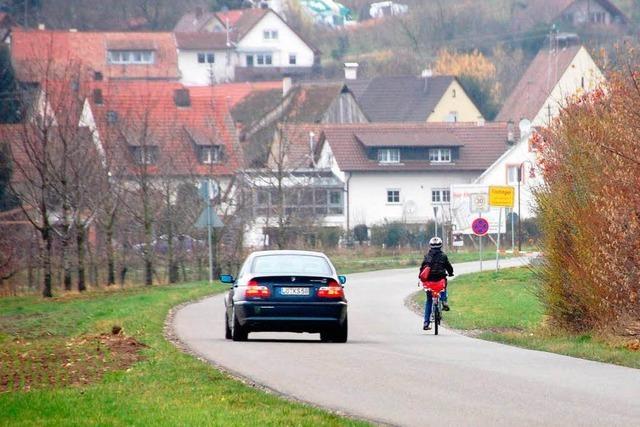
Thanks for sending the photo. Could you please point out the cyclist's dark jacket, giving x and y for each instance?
(439, 263)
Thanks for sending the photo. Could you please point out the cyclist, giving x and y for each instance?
(440, 268)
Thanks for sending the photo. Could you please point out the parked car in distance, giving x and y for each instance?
(286, 291)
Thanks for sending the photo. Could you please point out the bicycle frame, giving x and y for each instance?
(436, 309)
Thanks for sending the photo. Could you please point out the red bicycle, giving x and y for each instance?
(435, 289)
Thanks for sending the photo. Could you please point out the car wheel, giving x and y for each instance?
(342, 332)
(338, 334)
(238, 333)
(227, 329)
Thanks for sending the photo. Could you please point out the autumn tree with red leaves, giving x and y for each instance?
(589, 209)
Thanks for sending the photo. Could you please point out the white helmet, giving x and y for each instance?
(435, 242)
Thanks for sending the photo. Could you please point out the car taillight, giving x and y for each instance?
(334, 290)
(255, 290)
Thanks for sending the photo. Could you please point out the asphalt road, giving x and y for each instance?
(393, 372)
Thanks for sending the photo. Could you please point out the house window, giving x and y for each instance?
(393, 196)
(440, 196)
(264, 59)
(210, 154)
(293, 60)
(452, 117)
(131, 57)
(206, 58)
(249, 60)
(512, 174)
(97, 76)
(335, 202)
(270, 34)
(440, 155)
(454, 93)
(389, 155)
(145, 155)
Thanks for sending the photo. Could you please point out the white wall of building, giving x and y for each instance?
(287, 43)
(194, 73)
(498, 174)
(368, 195)
(582, 75)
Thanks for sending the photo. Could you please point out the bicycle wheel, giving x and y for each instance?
(436, 318)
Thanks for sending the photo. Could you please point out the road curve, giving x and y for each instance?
(393, 372)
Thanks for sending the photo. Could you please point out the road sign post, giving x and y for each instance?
(480, 228)
(209, 190)
(500, 197)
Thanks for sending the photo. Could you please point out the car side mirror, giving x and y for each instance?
(342, 279)
(227, 278)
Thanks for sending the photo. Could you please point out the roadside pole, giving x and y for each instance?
(480, 216)
(498, 243)
(210, 239)
(501, 197)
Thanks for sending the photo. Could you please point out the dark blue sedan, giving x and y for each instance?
(286, 291)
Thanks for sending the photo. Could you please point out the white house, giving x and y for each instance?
(401, 171)
(552, 78)
(240, 45)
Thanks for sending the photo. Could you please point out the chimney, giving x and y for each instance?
(286, 85)
(199, 12)
(41, 27)
(427, 73)
(511, 136)
(351, 70)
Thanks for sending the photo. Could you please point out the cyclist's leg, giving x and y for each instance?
(427, 308)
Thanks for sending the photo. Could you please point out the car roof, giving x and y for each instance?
(288, 252)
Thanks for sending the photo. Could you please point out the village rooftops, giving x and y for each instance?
(102, 55)
(468, 146)
(400, 98)
(235, 25)
(168, 129)
(535, 87)
(530, 13)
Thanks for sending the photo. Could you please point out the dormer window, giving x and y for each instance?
(146, 155)
(440, 155)
(389, 155)
(131, 57)
(210, 154)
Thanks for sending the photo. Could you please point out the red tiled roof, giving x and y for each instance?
(203, 40)
(299, 153)
(419, 138)
(31, 50)
(479, 147)
(535, 86)
(233, 93)
(147, 115)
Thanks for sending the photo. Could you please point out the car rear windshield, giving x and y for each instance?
(288, 264)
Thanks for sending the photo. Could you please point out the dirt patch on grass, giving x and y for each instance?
(55, 362)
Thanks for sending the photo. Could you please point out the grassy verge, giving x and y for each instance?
(162, 387)
(350, 263)
(503, 307)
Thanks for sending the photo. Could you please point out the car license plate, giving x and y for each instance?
(294, 291)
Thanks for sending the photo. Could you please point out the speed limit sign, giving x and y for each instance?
(479, 202)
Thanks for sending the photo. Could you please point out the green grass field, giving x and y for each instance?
(503, 307)
(347, 264)
(166, 387)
